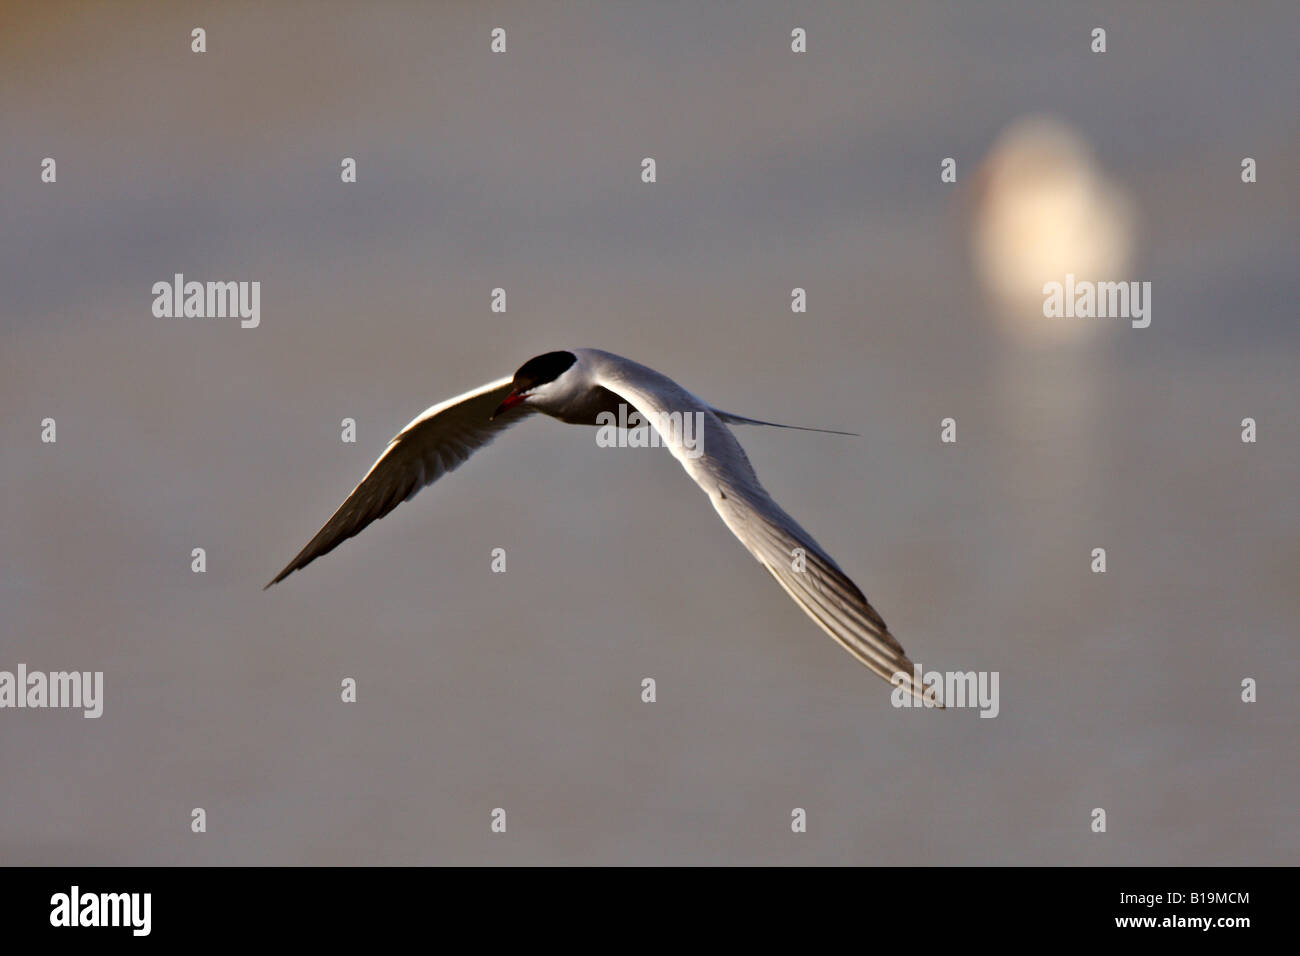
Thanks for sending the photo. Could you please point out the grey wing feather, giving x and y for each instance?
(438, 441)
(820, 587)
(722, 470)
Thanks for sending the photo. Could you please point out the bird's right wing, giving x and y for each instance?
(807, 573)
(440, 440)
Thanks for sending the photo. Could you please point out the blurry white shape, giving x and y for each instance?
(1043, 208)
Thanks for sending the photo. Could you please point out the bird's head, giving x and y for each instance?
(542, 381)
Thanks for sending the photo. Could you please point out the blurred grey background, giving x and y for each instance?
(521, 691)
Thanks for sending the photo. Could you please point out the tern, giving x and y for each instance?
(588, 387)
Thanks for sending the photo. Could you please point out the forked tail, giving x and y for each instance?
(731, 419)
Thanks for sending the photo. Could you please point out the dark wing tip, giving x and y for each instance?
(326, 540)
(293, 566)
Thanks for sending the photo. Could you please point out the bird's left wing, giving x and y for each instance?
(440, 440)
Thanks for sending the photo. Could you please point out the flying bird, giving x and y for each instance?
(576, 386)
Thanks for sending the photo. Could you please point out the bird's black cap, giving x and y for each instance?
(543, 369)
